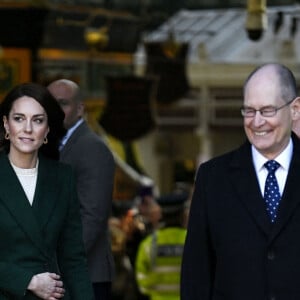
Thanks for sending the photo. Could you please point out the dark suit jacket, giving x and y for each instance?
(44, 237)
(94, 167)
(232, 251)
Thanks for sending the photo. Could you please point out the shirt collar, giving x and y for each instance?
(284, 158)
(70, 131)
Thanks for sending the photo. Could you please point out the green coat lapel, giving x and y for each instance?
(13, 197)
(47, 192)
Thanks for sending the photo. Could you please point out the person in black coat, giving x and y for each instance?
(235, 248)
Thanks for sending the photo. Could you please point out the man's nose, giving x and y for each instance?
(258, 119)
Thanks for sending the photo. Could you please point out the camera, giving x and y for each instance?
(256, 22)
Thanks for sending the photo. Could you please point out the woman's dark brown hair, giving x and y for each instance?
(54, 113)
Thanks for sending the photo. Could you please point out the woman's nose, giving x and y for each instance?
(28, 126)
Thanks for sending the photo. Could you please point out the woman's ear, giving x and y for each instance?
(5, 123)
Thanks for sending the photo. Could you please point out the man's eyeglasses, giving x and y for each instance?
(268, 111)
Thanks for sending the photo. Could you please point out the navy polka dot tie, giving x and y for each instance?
(272, 193)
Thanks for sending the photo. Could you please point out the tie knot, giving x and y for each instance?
(272, 165)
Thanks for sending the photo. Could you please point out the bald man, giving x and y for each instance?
(243, 233)
(94, 167)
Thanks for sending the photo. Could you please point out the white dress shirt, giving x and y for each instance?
(284, 159)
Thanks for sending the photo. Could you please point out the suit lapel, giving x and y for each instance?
(245, 181)
(13, 197)
(72, 139)
(290, 198)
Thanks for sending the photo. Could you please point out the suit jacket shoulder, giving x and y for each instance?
(240, 157)
(84, 141)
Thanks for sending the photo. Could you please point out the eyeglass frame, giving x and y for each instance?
(273, 111)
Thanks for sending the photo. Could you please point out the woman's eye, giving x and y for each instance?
(39, 121)
(18, 118)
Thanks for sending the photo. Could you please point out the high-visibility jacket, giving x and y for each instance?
(158, 263)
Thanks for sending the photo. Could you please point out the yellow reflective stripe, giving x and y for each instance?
(166, 287)
(166, 269)
(141, 276)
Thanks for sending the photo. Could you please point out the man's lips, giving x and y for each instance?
(260, 133)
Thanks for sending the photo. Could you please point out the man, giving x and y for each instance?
(296, 126)
(94, 165)
(240, 246)
(159, 255)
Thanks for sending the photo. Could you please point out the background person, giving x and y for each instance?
(236, 246)
(41, 248)
(159, 255)
(94, 168)
(122, 224)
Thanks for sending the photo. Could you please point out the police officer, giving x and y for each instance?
(159, 255)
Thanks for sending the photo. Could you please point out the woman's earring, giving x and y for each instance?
(6, 136)
(45, 140)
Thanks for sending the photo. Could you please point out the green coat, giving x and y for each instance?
(44, 237)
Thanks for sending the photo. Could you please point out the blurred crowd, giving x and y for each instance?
(131, 224)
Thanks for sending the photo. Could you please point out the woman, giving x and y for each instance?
(41, 249)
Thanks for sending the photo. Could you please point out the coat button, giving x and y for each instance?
(271, 256)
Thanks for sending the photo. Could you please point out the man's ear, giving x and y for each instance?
(295, 106)
(80, 109)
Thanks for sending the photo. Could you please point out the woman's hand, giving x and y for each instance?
(47, 286)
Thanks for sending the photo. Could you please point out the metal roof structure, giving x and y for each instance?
(219, 35)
